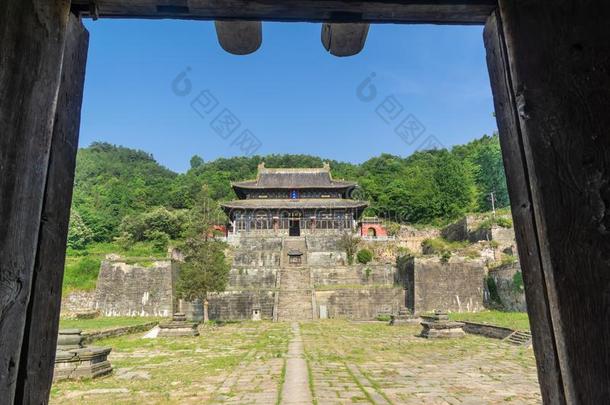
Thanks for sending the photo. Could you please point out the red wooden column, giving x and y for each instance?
(549, 65)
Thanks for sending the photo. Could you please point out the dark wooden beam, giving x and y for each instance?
(379, 11)
(557, 59)
(239, 37)
(40, 338)
(32, 36)
(344, 39)
(515, 166)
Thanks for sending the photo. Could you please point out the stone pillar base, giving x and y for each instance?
(89, 362)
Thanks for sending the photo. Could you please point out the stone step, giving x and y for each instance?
(519, 338)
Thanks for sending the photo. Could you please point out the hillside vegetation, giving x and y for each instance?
(121, 192)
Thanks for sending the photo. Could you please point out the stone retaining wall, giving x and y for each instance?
(132, 289)
(431, 284)
(114, 332)
(359, 304)
(490, 331)
(512, 296)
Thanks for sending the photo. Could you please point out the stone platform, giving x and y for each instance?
(439, 326)
(73, 361)
(84, 363)
(177, 327)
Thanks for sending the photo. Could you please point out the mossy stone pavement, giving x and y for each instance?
(328, 362)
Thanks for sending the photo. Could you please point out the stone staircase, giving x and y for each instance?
(519, 338)
(295, 290)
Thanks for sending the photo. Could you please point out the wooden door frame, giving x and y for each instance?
(40, 132)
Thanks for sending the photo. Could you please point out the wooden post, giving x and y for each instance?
(549, 68)
(344, 39)
(239, 37)
(40, 338)
(32, 36)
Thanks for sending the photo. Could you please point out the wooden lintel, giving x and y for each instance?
(378, 11)
(344, 39)
(239, 37)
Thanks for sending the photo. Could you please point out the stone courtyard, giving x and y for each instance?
(325, 362)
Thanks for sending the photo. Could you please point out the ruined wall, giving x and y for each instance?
(412, 238)
(457, 285)
(509, 287)
(77, 301)
(132, 289)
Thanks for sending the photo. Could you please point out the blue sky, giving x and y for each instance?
(291, 95)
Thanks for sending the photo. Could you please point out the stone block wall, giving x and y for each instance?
(379, 274)
(359, 304)
(77, 301)
(512, 297)
(457, 285)
(237, 305)
(131, 289)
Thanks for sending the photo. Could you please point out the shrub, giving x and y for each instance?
(79, 234)
(383, 317)
(508, 259)
(367, 272)
(504, 222)
(432, 246)
(518, 281)
(493, 290)
(349, 243)
(445, 256)
(393, 228)
(364, 256)
(160, 240)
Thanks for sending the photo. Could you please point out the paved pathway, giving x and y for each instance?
(296, 385)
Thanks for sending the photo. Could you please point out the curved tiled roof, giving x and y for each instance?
(293, 178)
(305, 203)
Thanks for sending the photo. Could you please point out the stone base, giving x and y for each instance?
(90, 362)
(442, 330)
(177, 329)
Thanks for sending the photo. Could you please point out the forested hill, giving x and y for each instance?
(113, 182)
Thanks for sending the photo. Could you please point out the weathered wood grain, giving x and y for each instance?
(31, 48)
(40, 337)
(388, 11)
(239, 37)
(549, 375)
(559, 67)
(344, 39)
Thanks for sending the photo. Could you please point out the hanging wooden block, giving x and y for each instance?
(344, 39)
(239, 37)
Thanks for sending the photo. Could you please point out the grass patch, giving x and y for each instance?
(181, 370)
(280, 384)
(512, 320)
(82, 266)
(81, 273)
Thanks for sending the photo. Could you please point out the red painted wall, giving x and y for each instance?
(378, 229)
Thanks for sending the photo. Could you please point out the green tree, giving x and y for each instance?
(364, 256)
(79, 234)
(196, 161)
(349, 244)
(205, 268)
